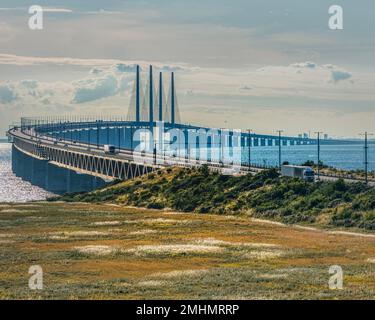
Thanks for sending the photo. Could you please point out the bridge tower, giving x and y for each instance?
(160, 96)
(151, 110)
(137, 97)
(172, 99)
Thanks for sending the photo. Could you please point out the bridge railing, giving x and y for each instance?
(46, 127)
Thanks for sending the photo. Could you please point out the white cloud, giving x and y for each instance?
(122, 67)
(91, 89)
(338, 75)
(6, 94)
(45, 9)
(205, 94)
(307, 64)
(245, 87)
(57, 10)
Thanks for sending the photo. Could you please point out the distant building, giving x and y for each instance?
(325, 136)
(305, 135)
(300, 135)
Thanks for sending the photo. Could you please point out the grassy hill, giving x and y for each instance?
(264, 195)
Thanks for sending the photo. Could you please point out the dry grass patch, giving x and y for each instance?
(354, 234)
(272, 276)
(106, 223)
(6, 241)
(261, 221)
(174, 249)
(163, 220)
(180, 274)
(99, 250)
(264, 254)
(79, 233)
(7, 235)
(11, 211)
(152, 283)
(142, 232)
(261, 245)
(213, 241)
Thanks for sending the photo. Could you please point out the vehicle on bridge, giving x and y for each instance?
(302, 172)
(109, 149)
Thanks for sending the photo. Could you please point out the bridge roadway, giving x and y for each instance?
(130, 164)
(66, 153)
(256, 139)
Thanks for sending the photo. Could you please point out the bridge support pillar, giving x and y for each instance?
(97, 182)
(15, 161)
(56, 179)
(26, 167)
(39, 172)
(78, 182)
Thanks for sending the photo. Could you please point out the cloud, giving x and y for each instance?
(57, 10)
(96, 71)
(118, 65)
(7, 94)
(338, 75)
(122, 67)
(329, 66)
(91, 89)
(171, 68)
(246, 87)
(307, 65)
(10, 59)
(104, 81)
(45, 9)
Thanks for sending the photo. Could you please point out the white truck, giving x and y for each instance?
(302, 172)
(109, 149)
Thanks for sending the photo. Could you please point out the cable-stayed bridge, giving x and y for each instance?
(79, 153)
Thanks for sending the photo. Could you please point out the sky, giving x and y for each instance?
(259, 64)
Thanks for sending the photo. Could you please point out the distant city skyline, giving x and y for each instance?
(264, 65)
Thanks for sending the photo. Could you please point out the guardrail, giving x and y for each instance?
(41, 137)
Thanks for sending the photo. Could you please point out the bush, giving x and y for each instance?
(265, 194)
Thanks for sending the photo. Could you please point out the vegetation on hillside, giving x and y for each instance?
(328, 170)
(264, 195)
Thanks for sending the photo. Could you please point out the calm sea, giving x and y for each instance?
(13, 189)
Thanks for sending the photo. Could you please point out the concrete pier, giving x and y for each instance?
(51, 177)
(38, 176)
